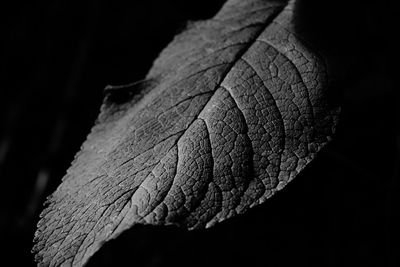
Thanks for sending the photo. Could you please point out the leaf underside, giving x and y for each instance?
(231, 111)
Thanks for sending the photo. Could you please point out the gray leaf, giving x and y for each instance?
(231, 111)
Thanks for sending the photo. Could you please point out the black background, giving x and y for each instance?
(57, 56)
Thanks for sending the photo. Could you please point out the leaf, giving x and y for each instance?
(231, 111)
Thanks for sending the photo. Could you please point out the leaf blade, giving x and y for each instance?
(251, 125)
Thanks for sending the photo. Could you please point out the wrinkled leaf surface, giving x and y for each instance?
(231, 111)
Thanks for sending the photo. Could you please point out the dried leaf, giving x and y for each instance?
(231, 111)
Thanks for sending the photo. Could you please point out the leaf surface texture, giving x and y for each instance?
(231, 111)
